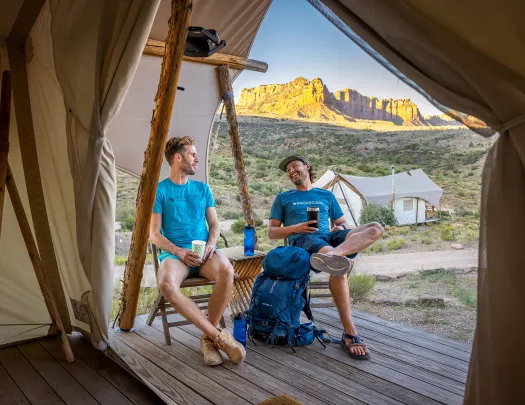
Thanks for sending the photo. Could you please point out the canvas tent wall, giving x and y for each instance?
(82, 57)
(413, 190)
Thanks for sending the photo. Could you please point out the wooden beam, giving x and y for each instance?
(37, 264)
(5, 113)
(27, 16)
(33, 179)
(157, 48)
(225, 82)
(160, 124)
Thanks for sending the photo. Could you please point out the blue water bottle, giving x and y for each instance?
(249, 240)
(239, 328)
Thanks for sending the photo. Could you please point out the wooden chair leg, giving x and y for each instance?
(165, 326)
(155, 310)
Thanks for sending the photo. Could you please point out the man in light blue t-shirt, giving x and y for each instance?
(331, 249)
(184, 209)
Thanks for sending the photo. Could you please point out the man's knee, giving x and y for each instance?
(224, 270)
(375, 230)
(169, 288)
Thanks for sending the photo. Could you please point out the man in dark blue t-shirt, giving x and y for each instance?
(331, 249)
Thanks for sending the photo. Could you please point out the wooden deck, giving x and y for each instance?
(408, 366)
(35, 373)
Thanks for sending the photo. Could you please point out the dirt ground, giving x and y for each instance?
(442, 302)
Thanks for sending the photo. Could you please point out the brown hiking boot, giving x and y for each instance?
(212, 357)
(230, 346)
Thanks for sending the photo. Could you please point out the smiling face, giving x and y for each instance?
(297, 172)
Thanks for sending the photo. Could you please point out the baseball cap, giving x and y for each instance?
(289, 159)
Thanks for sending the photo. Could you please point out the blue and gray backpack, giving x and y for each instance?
(279, 295)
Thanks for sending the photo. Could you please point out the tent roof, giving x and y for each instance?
(414, 183)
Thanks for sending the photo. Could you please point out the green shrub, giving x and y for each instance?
(126, 217)
(448, 234)
(377, 213)
(258, 221)
(120, 260)
(395, 244)
(469, 235)
(377, 247)
(238, 226)
(360, 285)
(426, 241)
(232, 214)
(466, 296)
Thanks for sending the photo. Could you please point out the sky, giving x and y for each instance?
(296, 40)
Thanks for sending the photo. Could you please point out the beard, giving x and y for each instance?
(301, 178)
(187, 168)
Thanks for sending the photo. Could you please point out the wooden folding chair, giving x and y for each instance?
(163, 307)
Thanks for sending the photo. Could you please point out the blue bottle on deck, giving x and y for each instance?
(239, 328)
(249, 240)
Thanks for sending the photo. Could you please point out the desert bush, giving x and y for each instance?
(377, 247)
(360, 285)
(377, 213)
(448, 234)
(469, 235)
(426, 241)
(232, 214)
(125, 215)
(395, 244)
(258, 221)
(238, 226)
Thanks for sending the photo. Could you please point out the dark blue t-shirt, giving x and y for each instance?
(290, 207)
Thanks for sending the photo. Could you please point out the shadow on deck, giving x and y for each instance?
(408, 366)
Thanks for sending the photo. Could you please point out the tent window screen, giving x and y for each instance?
(408, 204)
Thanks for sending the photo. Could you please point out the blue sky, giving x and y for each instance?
(296, 40)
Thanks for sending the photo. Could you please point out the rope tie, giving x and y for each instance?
(511, 124)
(227, 96)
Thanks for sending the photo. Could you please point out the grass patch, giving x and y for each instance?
(426, 241)
(377, 247)
(395, 244)
(448, 234)
(360, 285)
(466, 296)
(121, 260)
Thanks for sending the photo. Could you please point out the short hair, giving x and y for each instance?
(177, 145)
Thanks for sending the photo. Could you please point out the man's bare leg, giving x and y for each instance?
(358, 239)
(171, 274)
(341, 294)
(220, 270)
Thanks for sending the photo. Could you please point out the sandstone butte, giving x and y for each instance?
(302, 98)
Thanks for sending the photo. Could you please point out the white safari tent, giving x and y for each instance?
(82, 95)
(416, 197)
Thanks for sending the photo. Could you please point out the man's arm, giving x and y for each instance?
(339, 224)
(213, 233)
(276, 231)
(156, 237)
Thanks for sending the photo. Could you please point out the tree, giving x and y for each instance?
(377, 213)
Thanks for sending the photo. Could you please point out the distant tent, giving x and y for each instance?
(416, 196)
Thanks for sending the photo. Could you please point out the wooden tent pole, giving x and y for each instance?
(225, 82)
(417, 209)
(37, 264)
(160, 124)
(5, 112)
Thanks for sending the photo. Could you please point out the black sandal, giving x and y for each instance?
(356, 342)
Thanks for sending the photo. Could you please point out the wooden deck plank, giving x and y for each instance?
(392, 355)
(244, 388)
(30, 382)
(94, 383)
(268, 381)
(158, 378)
(412, 369)
(403, 344)
(71, 392)
(136, 392)
(376, 377)
(10, 394)
(333, 385)
(363, 323)
(466, 347)
(184, 373)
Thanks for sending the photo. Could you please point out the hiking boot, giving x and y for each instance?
(212, 357)
(331, 264)
(230, 346)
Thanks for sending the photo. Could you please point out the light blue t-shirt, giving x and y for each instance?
(290, 207)
(183, 210)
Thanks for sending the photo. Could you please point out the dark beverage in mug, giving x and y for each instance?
(313, 215)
